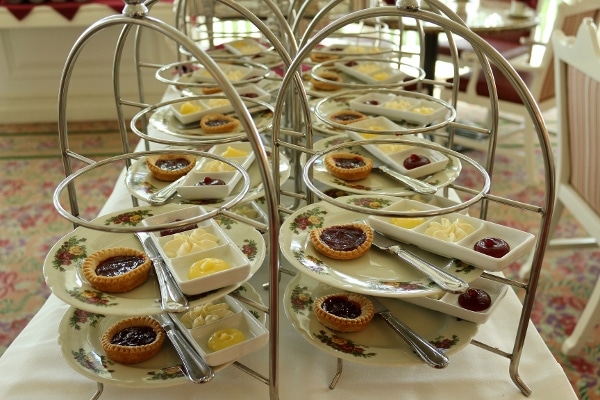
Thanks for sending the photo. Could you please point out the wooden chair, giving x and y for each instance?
(577, 65)
(539, 77)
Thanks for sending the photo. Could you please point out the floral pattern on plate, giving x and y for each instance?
(377, 344)
(376, 272)
(79, 339)
(62, 267)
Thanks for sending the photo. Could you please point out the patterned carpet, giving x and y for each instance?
(31, 166)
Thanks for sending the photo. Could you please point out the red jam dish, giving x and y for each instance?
(415, 161)
(344, 312)
(475, 300)
(493, 247)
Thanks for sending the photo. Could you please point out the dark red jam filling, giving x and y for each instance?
(351, 64)
(172, 231)
(493, 247)
(346, 117)
(372, 102)
(208, 181)
(134, 336)
(348, 163)
(249, 95)
(336, 49)
(118, 265)
(172, 164)
(475, 300)
(342, 307)
(415, 160)
(343, 238)
(217, 122)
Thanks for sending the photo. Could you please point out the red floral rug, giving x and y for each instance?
(32, 169)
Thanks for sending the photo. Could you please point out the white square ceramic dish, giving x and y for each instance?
(371, 71)
(448, 303)
(199, 185)
(238, 270)
(245, 47)
(233, 73)
(256, 336)
(196, 109)
(519, 242)
(208, 313)
(177, 215)
(399, 108)
(376, 124)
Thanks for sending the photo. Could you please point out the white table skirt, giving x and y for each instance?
(33, 367)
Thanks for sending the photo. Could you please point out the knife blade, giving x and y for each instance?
(172, 298)
(432, 356)
(414, 184)
(443, 279)
(194, 366)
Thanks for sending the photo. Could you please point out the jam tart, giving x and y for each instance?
(218, 123)
(319, 57)
(346, 117)
(348, 166)
(211, 90)
(170, 167)
(342, 242)
(331, 77)
(344, 312)
(116, 269)
(133, 340)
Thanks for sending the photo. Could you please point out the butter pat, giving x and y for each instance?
(207, 266)
(449, 231)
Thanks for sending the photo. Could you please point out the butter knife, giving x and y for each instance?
(194, 366)
(172, 298)
(414, 184)
(432, 356)
(444, 280)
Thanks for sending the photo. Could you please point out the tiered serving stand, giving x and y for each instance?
(295, 124)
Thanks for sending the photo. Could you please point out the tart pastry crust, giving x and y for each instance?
(346, 117)
(218, 123)
(348, 166)
(132, 354)
(119, 283)
(320, 57)
(211, 90)
(316, 238)
(341, 324)
(169, 175)
(329, 86)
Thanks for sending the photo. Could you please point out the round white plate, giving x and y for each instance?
(143, 185)
(165, 121)
(62, 267)
(375, 183)
(375, 273)
(377, 344)
(79, 339)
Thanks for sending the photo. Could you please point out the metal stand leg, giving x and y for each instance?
(338, 373)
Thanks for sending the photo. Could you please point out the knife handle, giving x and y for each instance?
(446, 281)
(195, 369)
(415, 184)
(172, 298)
(433, 356)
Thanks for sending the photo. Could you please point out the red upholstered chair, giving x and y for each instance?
(577, 65)
(539, 78)
(509, 44)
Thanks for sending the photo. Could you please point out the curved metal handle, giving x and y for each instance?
(413, 183)
(446, 281)
(433, 356)
(172, 298)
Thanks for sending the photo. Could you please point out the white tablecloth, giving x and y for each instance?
(33, 367)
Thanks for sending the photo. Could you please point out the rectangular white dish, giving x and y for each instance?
(520, 242)
(245, 47)
(196, 186)
(399, 108)
(233, 73)
(395, 159)
(448, 303)
(256, 337)
(217, 104)
(371, 71)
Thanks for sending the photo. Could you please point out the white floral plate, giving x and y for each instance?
(375, 183)
(375, 273)
(377, 344)
(62, 267)
(165, 121)
(79, 338)
(142, 184)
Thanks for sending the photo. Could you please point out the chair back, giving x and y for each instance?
(577, 64)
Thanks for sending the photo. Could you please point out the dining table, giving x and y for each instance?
(34, 365)
(484, 17)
